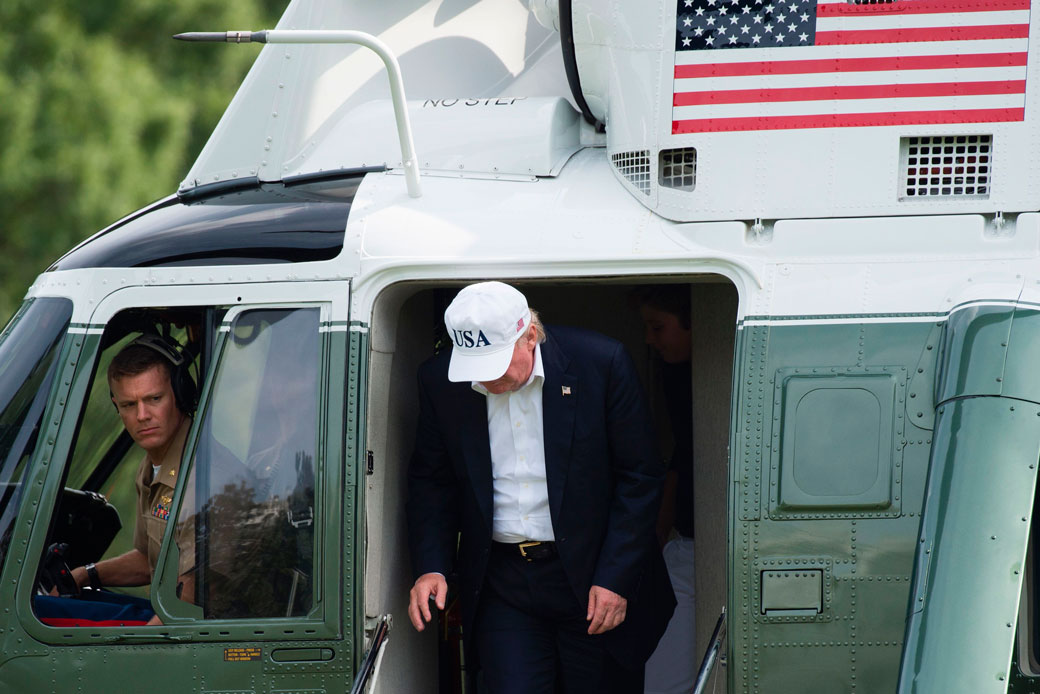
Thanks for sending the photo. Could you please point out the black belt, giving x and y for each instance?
(531, 551)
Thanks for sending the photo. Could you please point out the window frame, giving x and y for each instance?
(79, 354)
(316, 624)
(20, 473)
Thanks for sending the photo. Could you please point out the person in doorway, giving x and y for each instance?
(665, 310)
(537, 446)
(155, 402)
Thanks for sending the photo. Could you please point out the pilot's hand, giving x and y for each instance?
(606, 610)
(428, 586)
(79, 575)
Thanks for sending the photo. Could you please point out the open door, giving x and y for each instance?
(971, 558)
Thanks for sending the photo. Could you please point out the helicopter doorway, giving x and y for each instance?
(405, 330)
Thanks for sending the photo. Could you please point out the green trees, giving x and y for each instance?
(102, 112)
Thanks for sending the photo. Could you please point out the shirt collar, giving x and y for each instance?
(537, 372)
(171, 462)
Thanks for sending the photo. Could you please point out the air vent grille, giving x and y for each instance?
(634, 166)
(677, 168)
(948, 166)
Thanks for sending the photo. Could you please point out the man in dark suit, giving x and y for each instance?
(537, 446)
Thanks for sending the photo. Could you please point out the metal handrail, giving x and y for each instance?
(404, 128)
(711, 656)
(370, 665)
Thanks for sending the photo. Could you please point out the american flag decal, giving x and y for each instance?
(830, 63)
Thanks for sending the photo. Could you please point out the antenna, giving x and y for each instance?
(393, 69)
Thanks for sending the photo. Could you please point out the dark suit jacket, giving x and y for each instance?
(603, 471)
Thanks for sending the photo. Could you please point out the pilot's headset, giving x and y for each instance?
(185, 393)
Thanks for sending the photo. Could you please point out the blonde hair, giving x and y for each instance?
(536, 323)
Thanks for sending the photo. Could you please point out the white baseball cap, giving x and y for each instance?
(484, 322)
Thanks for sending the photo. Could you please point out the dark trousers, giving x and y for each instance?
(532, 636)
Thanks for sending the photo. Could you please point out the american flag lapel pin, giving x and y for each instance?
(566, 390)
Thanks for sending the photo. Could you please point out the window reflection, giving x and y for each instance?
(250, 499)
(28, 347)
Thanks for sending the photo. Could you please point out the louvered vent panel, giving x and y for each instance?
(677, 168)
(634, 166)
(945, 166)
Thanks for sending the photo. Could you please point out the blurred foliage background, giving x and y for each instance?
(101, 112)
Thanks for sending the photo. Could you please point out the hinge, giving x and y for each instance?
(759, 232)
(370, 465)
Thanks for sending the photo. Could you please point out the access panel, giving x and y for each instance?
(829, 477)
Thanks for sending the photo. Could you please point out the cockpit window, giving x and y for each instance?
(28, 347)
(251, 495)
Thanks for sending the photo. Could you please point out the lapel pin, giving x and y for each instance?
(566, 390)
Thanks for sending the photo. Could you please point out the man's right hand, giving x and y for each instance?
(79, 575)
(429, 585)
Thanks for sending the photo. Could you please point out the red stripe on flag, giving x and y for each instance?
(841, 9)
(970, 33)
(874, 91)
(847, 120)
(803, 67)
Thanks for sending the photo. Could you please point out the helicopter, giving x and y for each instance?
(846, 189)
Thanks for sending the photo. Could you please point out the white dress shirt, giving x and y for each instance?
(521, 496)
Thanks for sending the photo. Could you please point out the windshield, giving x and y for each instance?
(28, 347)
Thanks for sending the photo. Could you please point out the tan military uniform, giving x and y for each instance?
(155, 506)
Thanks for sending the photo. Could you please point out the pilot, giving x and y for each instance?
(665, 310)
(141, 379)
(536, 445)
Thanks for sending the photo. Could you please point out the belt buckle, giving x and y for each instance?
(523, 548)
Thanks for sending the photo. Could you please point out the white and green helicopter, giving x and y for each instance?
(849, 191)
